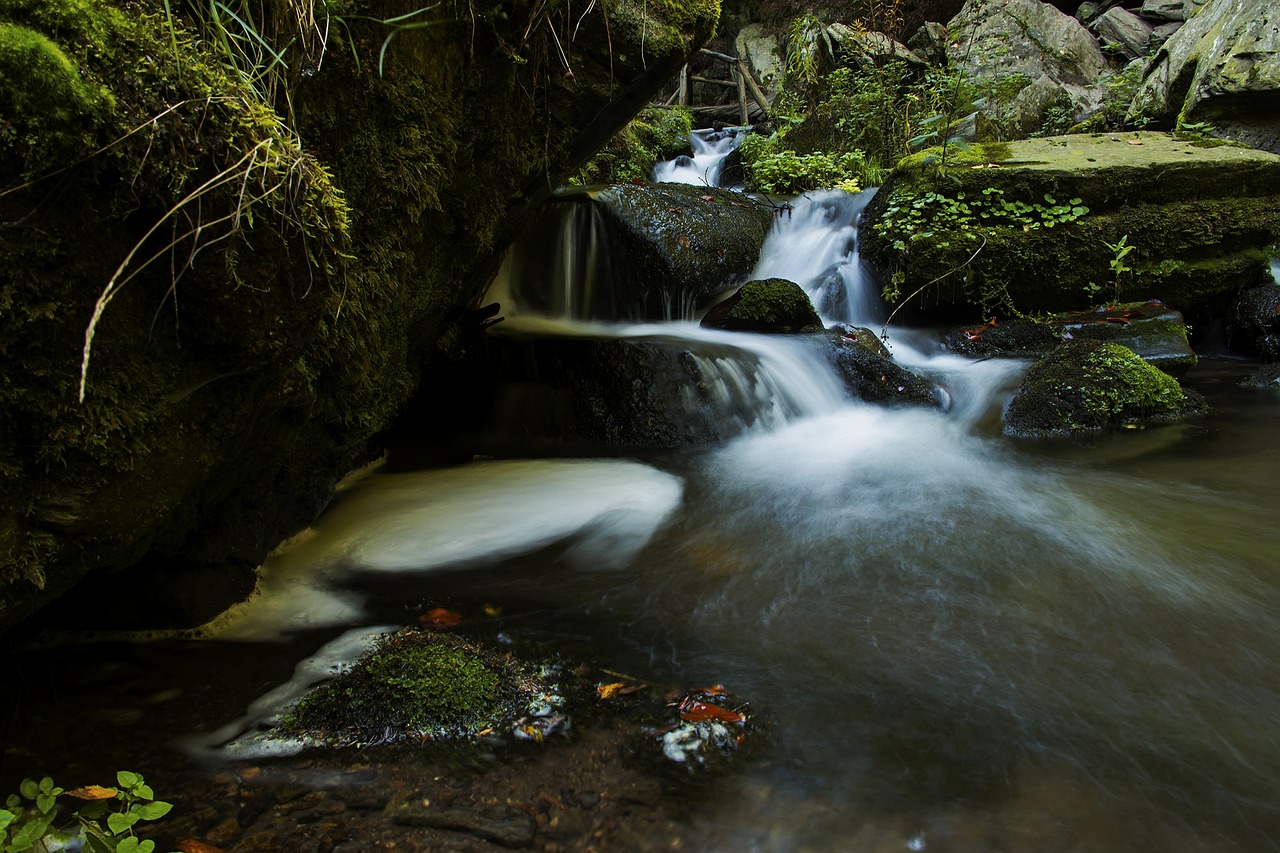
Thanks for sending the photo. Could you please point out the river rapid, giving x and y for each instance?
(959, 641)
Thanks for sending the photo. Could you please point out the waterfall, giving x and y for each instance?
(815, 245)
(710, 148)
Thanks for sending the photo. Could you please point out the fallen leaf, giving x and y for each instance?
(683, 241)
(617, 688)
(676, 209)
(638, 181)
(439, 617)
(1134, 141)
(492, 611)
(693, 711)
(191, 845)
(92, 792)
(707, 197)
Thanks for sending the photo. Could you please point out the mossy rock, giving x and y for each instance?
(1151, 329)
(1200, 221)
(222, 405)
(772, 305)
(414, 685)
(1086, 385)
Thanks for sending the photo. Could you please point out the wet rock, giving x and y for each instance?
(1253, 326)
(774, 306)
(930, 42)
(509, 827)
(1088, 385)
(627, 252)
(1152, 330)
(763, 53)
(593, 393)
(1169, 10)
(864, 49)
(1221, 67)
(1264, 379)
(869, 374)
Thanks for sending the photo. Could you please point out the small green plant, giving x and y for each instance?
(104, 824)
(936, 218)
(1119, 251)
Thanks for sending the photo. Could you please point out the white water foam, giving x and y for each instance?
(706, 164)
(431, 520)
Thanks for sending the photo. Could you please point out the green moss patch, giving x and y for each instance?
(414, 685)
(772, 305)
(1090, 385)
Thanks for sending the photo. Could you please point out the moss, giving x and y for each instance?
(412, 685)
(954, 156)
(656, 134)
(1089, 385)
(663, 26)
(772, 305)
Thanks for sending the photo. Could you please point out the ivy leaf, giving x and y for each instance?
(46, 802)
(29, 789)
(152, 811)
(121, 822)
(145, 792)
(127, 779)
(6, 818)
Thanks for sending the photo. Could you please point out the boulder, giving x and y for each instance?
(628, 252)
(1155, 332)
(1051, 50)
(1085, 385)
(1253, 326)
(864, 49)
(1027, 224)
(763, 52)
(870, 374)
(574, 393)
(1162, 33)
(930, 43)
(1266, 378)
(1162, 11)
(773, 306)
(1222, 67)
(1123, 31)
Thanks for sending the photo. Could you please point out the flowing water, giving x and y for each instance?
(960, 641)
(710, 148)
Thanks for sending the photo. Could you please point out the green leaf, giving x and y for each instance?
(14, 802)
(93, 810)
(29, 834)
(121, 822)
(144, 792)
(153, 810)
(99, 843)
(46, 785)
(46, 802)
(29, 788)
(127, 845)
(127, 779)
(6, 818)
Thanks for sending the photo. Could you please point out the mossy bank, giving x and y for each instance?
(268, 270)
(1031, 226)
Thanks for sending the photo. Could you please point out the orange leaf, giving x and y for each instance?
(92, 792)
(693, 711)
(191, 845)
(683, 241)
(618, 688)
(438, 617)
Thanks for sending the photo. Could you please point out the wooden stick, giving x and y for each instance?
(720, 56)
(757, 94)
(710, 81)
(684, 86)
(742, 94)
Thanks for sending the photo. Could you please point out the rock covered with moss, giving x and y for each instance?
(772, 305)
(418, 686)
(1088, 385)
(1028, 226)
(256, 309)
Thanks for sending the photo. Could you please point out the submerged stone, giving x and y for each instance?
(1154, 331)
(773, 306)
(1090, 385)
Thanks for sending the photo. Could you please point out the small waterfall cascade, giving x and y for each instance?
(710, 148)
(815, 244)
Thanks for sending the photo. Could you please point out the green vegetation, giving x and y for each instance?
(772, 305)
(771, 169)
(656, 134)
(413, 685)
(105, 824)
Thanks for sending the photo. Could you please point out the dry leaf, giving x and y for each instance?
(1134, 141)
(439, 617)
(92, 792)
(618, 688)
(191, 845)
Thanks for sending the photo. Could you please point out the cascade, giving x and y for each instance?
(710, 148)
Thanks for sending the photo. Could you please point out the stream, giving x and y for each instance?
(960, 641)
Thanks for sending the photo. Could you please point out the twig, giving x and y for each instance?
(884, 330)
